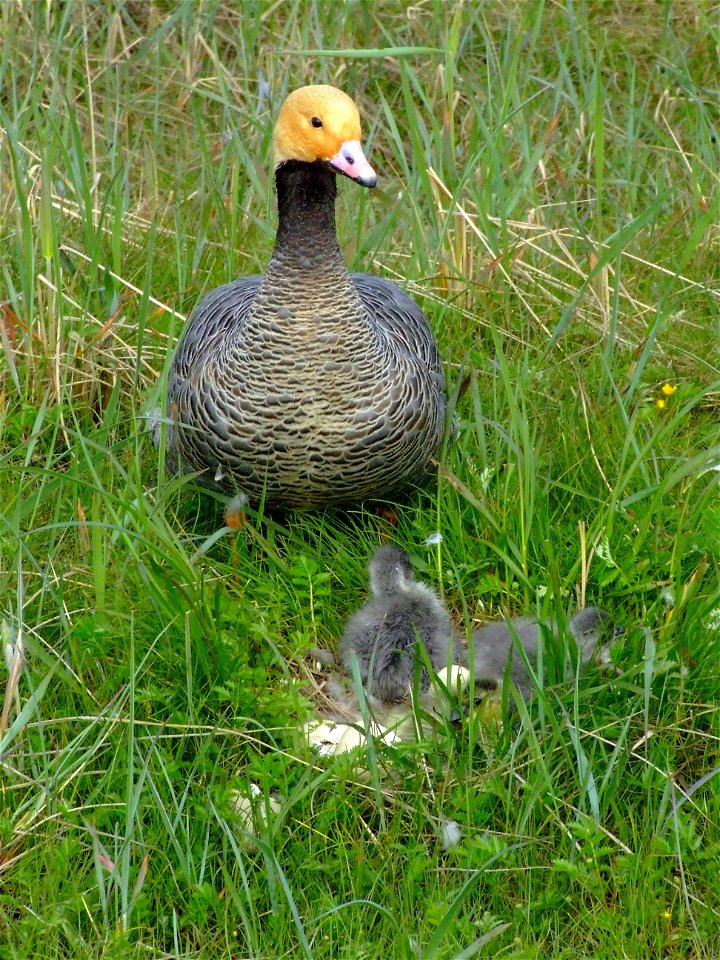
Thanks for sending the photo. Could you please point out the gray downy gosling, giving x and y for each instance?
(592, 629)
(384, 633)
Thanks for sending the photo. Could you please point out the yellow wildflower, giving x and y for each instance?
(668, 389)
(661, 403)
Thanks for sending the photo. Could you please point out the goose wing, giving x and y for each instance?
(402, 321)
(223, 309)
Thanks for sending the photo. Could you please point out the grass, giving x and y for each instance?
(549, 193)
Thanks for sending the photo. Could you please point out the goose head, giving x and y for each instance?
(321, 123)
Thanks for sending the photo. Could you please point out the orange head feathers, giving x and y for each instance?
(322, 123)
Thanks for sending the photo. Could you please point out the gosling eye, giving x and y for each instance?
(316, 121)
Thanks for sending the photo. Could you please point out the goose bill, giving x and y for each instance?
(351, 161)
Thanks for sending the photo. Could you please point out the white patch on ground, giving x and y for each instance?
(450, 834)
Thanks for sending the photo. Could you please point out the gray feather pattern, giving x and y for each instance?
(308, 386)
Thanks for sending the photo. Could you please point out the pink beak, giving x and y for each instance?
(351, 161)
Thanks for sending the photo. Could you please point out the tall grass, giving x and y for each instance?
(549, 193)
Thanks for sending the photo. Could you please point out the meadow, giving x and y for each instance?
(548, 192)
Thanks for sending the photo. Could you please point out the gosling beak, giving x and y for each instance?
(350, 161)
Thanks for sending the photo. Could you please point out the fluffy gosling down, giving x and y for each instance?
(384, 634)
(591, 629)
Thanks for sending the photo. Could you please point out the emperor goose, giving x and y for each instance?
(308, 386)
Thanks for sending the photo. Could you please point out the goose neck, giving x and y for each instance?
(306, 210)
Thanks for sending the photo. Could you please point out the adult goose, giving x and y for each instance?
(309, 386)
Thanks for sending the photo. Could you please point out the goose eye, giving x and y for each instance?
(316, 121)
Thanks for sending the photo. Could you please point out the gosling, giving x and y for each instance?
(591, 628)
(385, 633)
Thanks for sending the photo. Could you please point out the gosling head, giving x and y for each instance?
(390, 571)
(322, 123)
(589, 625)
(595, 632)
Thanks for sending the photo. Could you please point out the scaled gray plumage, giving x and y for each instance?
(590, 627)
(384, 633)
(308, 386)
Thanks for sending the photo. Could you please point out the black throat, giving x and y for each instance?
(306, 205)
